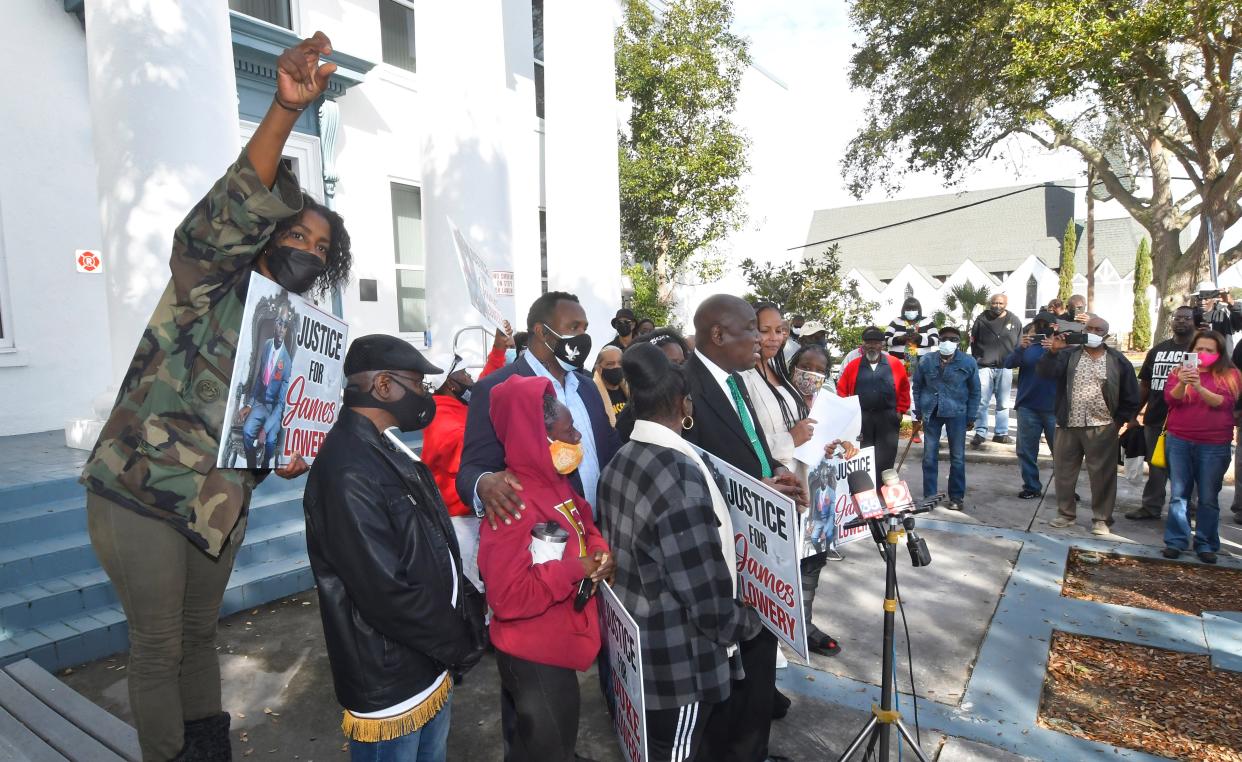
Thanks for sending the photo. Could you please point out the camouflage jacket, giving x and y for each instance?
(157, 452)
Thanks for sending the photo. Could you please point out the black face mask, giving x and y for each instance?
(414, 411)
(293, 269)
(571, 351)
(991, 314)
(612, 376)
(462, 392)
(624, 327)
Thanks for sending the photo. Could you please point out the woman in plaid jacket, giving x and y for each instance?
(669, 529)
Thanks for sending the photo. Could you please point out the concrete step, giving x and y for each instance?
(100, 630)
(63, 546)
(65, 596)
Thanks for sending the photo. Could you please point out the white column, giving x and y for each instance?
(584, 216)
(164, 114)
(163, 102)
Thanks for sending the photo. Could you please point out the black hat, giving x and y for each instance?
(953, 329)
(1047, 317)
(871, 333)
(380, 351)
(625, 313)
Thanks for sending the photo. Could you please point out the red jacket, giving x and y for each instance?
(845, 384)
(442, 440)
(533, 615)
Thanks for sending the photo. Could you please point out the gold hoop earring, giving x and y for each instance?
(687, 422)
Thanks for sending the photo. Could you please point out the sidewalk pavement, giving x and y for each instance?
(980, 617)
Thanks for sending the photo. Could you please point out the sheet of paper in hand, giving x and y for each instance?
(823, 525)
(623, 644)
(287, 379)
(835, 418)
(766, 543)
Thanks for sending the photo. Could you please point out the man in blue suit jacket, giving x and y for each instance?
(557, 350)
(267, 398)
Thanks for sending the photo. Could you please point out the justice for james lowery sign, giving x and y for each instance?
(285, 392)
(766, 542)
(623, 644)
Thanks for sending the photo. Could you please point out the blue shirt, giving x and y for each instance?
(1034, 391)
(589, 469)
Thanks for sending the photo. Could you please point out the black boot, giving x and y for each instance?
(207, 740)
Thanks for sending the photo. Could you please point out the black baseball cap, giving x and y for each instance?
(625, 313)
(951, 329)
(379, 351)
(871, 333)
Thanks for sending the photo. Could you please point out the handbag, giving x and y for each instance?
(1157, 453)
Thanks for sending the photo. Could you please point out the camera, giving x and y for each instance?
(1075, 338)
(1070, 326)
(1038, 338)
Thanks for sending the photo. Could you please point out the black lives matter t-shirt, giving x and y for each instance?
(1159, 363)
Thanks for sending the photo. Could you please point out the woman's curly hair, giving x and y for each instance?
(340, 260)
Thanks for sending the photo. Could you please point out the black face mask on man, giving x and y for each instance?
(413, 411)
(612, 376)
(293, 269)
(571, 351)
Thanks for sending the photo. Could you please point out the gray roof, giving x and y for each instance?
(1116, 240)
(997, 235)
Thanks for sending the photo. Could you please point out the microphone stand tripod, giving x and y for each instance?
(887, 529)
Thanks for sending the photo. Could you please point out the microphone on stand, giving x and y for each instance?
(896, 492)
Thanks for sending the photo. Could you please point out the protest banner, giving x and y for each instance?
(623, 643)
(823, 526)
(479, 280)
(766, 543)
(285, 392)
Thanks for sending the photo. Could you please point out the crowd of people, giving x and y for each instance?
(537, 480)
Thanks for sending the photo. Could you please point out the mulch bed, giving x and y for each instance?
(1161, 702)
(1178, 588)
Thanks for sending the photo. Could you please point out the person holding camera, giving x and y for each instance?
(1215, 310)
(1097, 394)
(1201, 395)
(1036, 404)
(993, 336)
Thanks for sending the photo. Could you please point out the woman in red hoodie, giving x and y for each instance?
(541, 640)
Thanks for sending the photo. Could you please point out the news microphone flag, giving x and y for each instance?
(862, 492)
(895, 492)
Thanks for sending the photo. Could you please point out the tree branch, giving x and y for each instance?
(1137, 207)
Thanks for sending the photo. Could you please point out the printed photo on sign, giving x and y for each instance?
(286, 388)
(823, 526)
(766, 543)
(622, 642)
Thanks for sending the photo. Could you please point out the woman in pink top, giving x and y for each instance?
(1201, 396)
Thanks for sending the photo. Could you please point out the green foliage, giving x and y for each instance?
(1151, 83)
(682, 157)
(815, 288)
(1140, 336)
(646, 302)
(965, 298)
(1069, 242)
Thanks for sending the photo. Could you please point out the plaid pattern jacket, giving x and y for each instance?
(671, 574)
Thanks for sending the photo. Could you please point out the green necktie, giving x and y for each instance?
(749, 426)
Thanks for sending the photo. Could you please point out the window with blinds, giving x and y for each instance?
(397, 33)
(411, 260)
(272, 11)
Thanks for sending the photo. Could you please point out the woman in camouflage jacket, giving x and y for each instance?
(151, 481)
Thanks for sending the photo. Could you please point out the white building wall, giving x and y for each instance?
(584, 214)
(48, 208)
(463, 129)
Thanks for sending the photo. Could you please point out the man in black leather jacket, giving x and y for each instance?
(399, 617)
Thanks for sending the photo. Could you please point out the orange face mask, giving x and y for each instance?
(565, 456)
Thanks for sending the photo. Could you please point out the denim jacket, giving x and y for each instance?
(946, 391)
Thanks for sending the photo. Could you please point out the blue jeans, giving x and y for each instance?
(427, 744)
(1032, 423)
(994, 382)
(1195, 465)
(955, 429)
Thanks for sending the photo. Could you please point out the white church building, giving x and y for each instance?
(497, 118)
(1007, 239)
